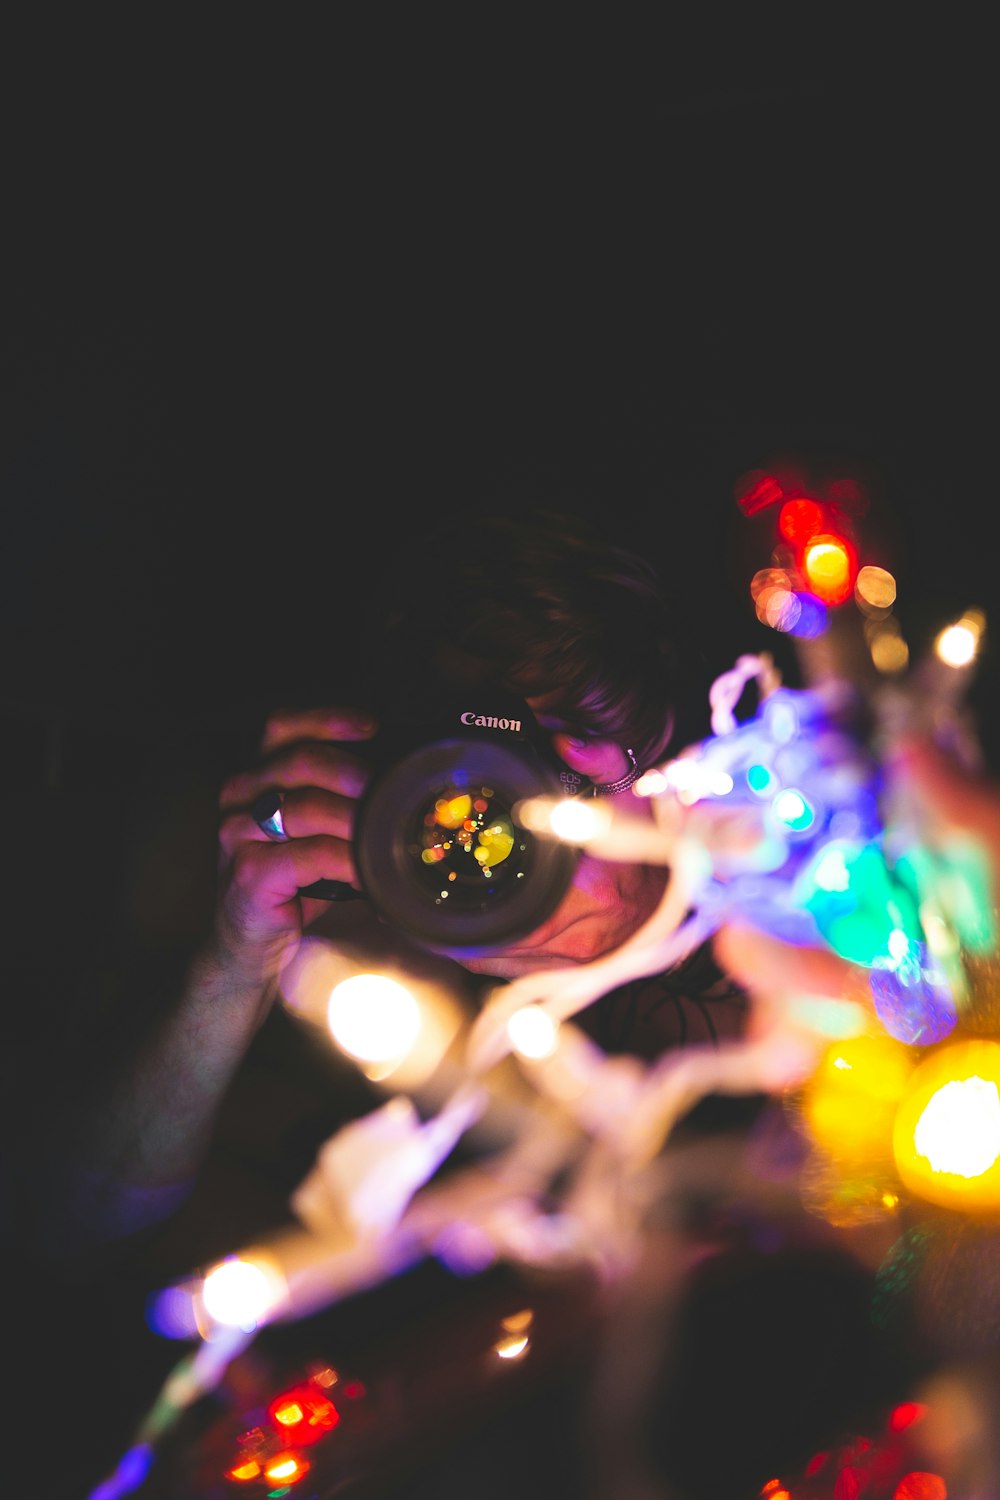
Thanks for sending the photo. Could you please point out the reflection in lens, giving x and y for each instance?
(466, 836)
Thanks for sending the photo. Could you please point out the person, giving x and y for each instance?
(585, 632)
(144, 1163)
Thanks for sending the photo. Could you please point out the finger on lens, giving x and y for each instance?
(286, 726)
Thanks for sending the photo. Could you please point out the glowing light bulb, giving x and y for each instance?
(828, 565)
(578, 821)
(513, 1346)
(532, 1032)
(957, 645)
(373, 1018)
(303, 1415)
(245, 1471)
(946, 1139)
(691, 780)
(830, 872)
(286, 1467)
(959, 1130)
(241, 1293)
(793, 811)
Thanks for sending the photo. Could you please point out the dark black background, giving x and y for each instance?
(279, 291)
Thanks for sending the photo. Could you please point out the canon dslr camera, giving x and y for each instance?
(437, 841)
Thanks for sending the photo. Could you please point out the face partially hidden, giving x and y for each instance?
(607, 901)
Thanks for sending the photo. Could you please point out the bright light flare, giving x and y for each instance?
(691, 780)
(533, 1033)
(373, 1019)
(959, 1131)
(512, 1346)
(958, 644)
(287, 1468)
(240, 1293)
(516, 1337)
(946, 1138)
(571, 819)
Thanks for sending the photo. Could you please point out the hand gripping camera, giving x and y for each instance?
(437, 841)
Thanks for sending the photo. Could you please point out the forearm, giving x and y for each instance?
(132, 1161)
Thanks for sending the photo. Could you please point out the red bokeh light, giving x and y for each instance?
(303, 1415)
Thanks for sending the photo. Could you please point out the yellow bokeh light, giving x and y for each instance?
(244, 1472)
(889, 651)
(452, 812)
(946, 1138)
(289, 1414)
(849, 1103)
(495, 844)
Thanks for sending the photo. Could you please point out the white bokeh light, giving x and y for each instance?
(532, 1032)
(373, 1018)
(959, 1130)
(240, 1293)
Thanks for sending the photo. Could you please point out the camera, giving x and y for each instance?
(437, 842)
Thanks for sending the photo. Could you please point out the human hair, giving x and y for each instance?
(552, 607)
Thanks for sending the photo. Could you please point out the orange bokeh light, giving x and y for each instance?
(828, 563)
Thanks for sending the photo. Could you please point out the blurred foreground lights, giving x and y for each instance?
(958, 645)
(690, 780)
(374, 1019)
(515, 1339)
(572, 819)
(874, 590)
(946, 1138)
(240, 1293)
(828, 564)
(533, 1033)
(286, 1468)
(888, 648)
(849, 1104)
(172, 1313)
(303, 1415)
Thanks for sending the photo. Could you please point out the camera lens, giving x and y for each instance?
(440, 851)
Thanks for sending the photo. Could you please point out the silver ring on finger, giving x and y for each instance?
(267, 814)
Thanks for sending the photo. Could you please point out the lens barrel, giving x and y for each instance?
(437, 841)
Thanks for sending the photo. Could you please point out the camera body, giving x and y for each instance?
(437, 842)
